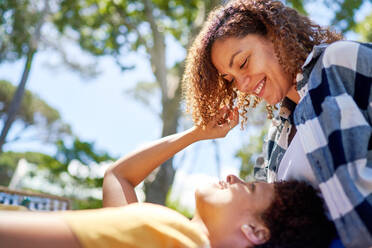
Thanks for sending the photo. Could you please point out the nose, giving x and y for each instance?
(242, 83)
(231, 179)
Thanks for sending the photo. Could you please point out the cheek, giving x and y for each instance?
(241, 198)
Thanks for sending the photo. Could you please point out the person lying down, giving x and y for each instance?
(231, 213)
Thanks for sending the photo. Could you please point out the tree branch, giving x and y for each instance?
(157, 52)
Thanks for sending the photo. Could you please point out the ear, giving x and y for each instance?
(257, 234)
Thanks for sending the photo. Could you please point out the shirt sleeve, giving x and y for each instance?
(334, 122)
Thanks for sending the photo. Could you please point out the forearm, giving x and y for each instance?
(136, 166)
(121, 178)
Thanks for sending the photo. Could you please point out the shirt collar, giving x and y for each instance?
(287, 106)
(307, 67)
(286, 110)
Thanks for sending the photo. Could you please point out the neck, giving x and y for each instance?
(293, 94)
(214, 240)
(197, 220)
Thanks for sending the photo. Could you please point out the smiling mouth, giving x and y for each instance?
(258, 89)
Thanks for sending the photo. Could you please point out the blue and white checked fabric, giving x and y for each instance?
(333, 119)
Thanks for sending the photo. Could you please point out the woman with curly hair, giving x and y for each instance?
(260, 49)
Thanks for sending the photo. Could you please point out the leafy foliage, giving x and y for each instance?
(298, 5)
(345, 14)
(18, 20)
(364, 28)
(21, 36)
(33, 112)
(9, 161)
(249, 153)
(176, 205)
(59, 171)
(105, 27)
(83, 152)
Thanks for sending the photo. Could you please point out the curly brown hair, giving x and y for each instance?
(296, 217)
(292, 35)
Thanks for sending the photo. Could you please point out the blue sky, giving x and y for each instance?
(98, 110)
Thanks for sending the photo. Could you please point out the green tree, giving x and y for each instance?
(118, 27)
(88, 156)
(364, 28)
(58, 172)
(9, 161)
(82, 151)
(21, 36)
(344, 13)
(33, 113)
(250, 153)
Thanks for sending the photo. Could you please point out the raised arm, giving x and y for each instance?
(126, 173)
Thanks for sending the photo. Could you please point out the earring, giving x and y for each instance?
(256, 101)
(269, 109)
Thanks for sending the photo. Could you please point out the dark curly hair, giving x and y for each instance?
(296, 217)
(292, 35)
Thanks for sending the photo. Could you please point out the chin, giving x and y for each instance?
(201, 206)
(210, 195)
(203, 191)
(273, 101)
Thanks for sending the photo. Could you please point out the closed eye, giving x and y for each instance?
(253, 186)
(227, 81)
(245, 61)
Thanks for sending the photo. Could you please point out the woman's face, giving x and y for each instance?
(232, 204)
(250, 64)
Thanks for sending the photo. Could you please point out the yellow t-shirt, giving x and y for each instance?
(135, 225)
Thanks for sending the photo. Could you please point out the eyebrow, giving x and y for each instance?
(232, 58)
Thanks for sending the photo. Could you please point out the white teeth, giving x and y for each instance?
(260, 86)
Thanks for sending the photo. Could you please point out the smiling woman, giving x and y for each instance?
(250, 65)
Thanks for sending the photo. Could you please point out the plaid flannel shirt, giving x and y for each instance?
(333, 119)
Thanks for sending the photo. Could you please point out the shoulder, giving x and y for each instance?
(346, 54)
(341, 53)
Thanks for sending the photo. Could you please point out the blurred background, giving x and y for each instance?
(84, 82)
